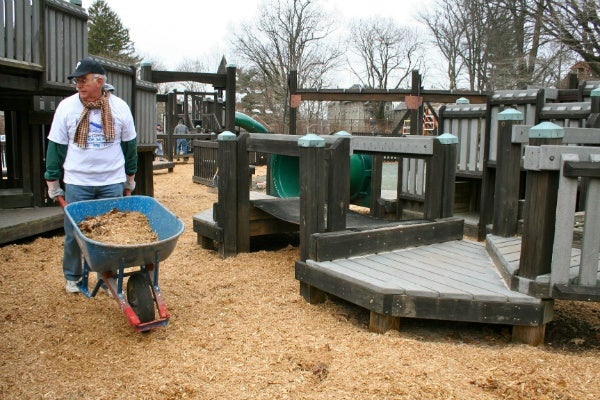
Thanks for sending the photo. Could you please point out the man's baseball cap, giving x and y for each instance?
(87, 66)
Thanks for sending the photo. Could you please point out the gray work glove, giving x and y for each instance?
(130, 182)
(54, 189)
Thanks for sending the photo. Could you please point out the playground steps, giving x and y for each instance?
(454, 281)
(505, 253)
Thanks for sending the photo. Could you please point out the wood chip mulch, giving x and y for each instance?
(240, 330)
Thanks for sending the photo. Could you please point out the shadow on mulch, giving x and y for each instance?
(575, 328)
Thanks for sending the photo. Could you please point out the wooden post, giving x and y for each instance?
(540, 208)
(441, 177)
(243, 195)
(312, 193)
(508, 168)
(376, 209)
(416, 114)
(230, 98)
(226, 212)
(338, 184)
(593, 120)
(293, 86)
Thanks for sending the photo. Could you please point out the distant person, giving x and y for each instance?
(93, 148)
(159, 143)
(181, 148)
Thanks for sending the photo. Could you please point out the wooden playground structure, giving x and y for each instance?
(526, 163)
(408, 257)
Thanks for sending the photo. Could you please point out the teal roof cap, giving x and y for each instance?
(226, 136)
(510, 114)
(447, 138)
(342, 133)
(311, 140)
(546, 130)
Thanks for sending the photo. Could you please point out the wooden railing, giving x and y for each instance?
(573, 273)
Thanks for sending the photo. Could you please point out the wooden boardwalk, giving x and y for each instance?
(22, 223)
(455, 280)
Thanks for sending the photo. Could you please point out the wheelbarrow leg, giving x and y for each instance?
(84, 282)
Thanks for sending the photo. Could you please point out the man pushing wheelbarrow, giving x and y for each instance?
(93, 148)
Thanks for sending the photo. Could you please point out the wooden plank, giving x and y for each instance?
(407, 146)
(354, 292)
(379, 276)
(591, 236)
(565, 215)
(333, 245)
(312, 197)
(479, 281)
(470, 311)
(338, 191)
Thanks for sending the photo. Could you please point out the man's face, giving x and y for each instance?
(89, 87)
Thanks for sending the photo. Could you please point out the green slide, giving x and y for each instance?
(285, 170)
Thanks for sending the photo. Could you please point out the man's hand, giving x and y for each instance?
(54, 189)
(129, 184)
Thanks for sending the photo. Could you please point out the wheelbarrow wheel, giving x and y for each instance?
(140, 297)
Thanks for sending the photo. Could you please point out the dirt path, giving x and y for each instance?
(240, 330)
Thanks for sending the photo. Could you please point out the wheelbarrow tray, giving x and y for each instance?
(104, 257)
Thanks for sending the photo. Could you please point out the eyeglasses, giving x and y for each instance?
(82, 81)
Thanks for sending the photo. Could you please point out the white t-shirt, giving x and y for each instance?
(100, 163)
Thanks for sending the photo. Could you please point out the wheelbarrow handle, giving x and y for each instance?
(61, 201)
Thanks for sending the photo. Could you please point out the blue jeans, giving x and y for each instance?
(181, 147)
(72, 267)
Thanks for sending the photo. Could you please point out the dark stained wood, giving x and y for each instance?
(538, 223)
(243, 196)
(586, 169)
(376, 174)
(531, 335)
(227, 209)
(539, 216)
(379, 323)
(312, 196)
(506, 192)
(338, 190)
(311, 294)
(344, 244)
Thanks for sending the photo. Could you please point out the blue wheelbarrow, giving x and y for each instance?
(138, 262)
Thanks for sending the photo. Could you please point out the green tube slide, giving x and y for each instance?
(285, 170)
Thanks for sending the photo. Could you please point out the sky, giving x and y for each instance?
(169, 32)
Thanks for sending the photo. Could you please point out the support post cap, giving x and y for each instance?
(510, 114)
(595, 92)
(342, 133)
(311, 140)
(226, 136)
(546, 130)
(447, 138)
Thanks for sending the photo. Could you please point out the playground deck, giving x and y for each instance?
(21, 223)
(454, 280)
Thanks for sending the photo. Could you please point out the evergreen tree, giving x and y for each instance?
(107, 36)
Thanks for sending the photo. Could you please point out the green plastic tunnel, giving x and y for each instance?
(285, 170)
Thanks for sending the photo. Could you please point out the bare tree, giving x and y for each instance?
(289, 35)
(575, 23)
(388, 54)
(192, 65)
(447, 31)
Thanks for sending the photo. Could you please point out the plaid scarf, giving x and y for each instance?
(83, 126)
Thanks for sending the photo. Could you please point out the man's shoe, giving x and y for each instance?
(71, 287)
